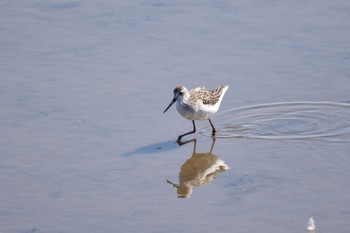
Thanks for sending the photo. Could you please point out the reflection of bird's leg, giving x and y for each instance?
(193, 131)
(194, 146)
(214, 130)
(212, 145)
(174, 185)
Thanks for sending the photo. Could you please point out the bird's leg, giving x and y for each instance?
(194, 130)
(214, 130)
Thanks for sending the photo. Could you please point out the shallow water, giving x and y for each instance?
(85, 147)
(294, 120)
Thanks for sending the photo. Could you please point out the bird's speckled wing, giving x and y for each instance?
(207, 96)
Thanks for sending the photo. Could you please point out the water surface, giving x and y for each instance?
(85, 147)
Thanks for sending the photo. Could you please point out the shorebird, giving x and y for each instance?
(197, 104)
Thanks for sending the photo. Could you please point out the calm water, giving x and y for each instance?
(85, 147)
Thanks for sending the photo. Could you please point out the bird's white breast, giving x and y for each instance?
(197, 111)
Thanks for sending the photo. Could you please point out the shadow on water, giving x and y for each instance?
(199, 170)
(153, 148)
(286, 121)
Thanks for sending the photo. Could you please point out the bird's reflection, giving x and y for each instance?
(199, 170)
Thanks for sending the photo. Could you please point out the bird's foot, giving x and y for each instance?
(181, 143)
(179, 139)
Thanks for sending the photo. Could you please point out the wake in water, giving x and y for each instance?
(293, 120)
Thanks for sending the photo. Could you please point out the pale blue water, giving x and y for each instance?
(85, 147)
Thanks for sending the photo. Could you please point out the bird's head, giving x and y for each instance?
(179, 93)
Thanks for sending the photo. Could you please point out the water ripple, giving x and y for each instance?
(290, 120)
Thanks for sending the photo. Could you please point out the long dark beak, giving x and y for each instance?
(171, 103)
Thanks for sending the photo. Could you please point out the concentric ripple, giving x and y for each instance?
(293, 120)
